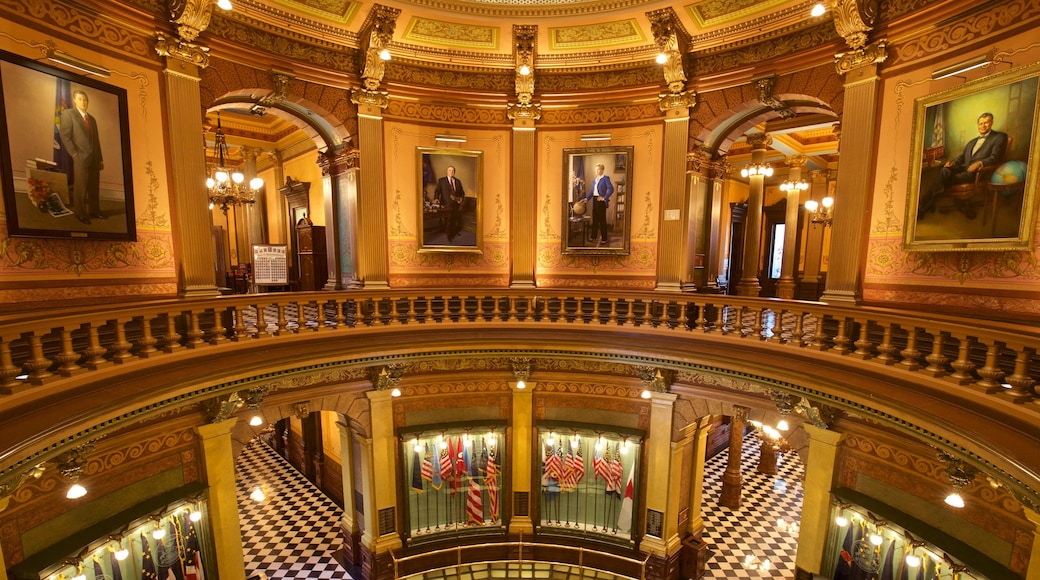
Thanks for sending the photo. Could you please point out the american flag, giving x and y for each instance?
(427, 466)
(577, 466)
(474, 497)
(491, 482)
(599, 467)
(614, 479)
(445, 461)
(553, 465)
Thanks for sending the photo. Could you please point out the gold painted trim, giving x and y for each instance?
(590, 36)
(702, 22)
(412, 33)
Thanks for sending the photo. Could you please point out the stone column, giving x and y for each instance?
(1034, 554)
(699, 227)
(816, 499)
(348, 525)
(222, 498)
(340, 176)
(853, 197)
(257, 213)
(664, 477)
(674, 213)
(814, 236)
(767, 456)
(382, 475)
(522, 459)
(372, 259)
(187, 164)
(280, 217)
(370, 534)
(700, 431)
(748, 284)
(785, 287)
(732, 480)
(523, 242)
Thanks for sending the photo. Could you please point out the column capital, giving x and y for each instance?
(758, 140)
(190, 16)
(369, 98)
(335, 162)
(524, 114)
(872, 54)
(677, 102)
(181, 50)
(797, 161)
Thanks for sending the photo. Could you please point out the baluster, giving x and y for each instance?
(962, 367)
(218, 333)
(319, 316)
(819, 337)
(283, 322)
(630, 315)
(911, 356)
(701, 320)
(261, 321)
(121, 347)
(720, 319)
(1021, 383)
(936, 359)
(613, 311)
(239, 331)
(595, 311)
(341, 317)
(512, 313)
(798, 332)
(146, 344)
(842, 342)
(864, 348)
(886, 350)
(776, 330)
(38, 365)
(171, 340)
(195, 333)
(67, 357)
(496, 311)
(990, 372)
(94, 352)
(682, 316)
(8, 371)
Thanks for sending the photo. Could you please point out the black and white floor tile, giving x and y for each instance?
(293, 531)
(753, 530)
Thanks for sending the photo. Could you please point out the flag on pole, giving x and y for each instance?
(445, 455)
(62, 101)
(491, 482)
(843, 569)
(192, 553)
(624, 520)
(427, 465)
(578, 466)
(117, 571)
(416, 472)
(598, 467)
(474, 497)
(147, 564)
(99, 572)
(614, 475)
(569, 482)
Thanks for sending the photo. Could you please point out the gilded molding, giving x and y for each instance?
(665, 28)
(427, 30)
(86, 25)
(758, 140)
(600, 115)
(680, 100)
(853, 19)
(524, 44)
(595, 35)
(763, 50)
(764, 89)
(448, 113)
(367, 98)
(593, 80)
(336, 161)
(470, 79)
(181, 50)
(190, 16)
(286, 43)
(379, 31)
(872, 54)
(524, 111)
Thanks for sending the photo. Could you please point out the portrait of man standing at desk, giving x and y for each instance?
(984, 150)
(79, 134)
(600, 193)
(451, 195)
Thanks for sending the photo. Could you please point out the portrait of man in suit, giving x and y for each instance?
(984, 150)
(599, 194)
(79, 134)
(451, 195)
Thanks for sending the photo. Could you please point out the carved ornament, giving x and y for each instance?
(853, 19)
(758, 140)
(380, 31)
(872, 54)
(680, 100)
(524, 111)
(665, 28)
(764, 88)
(220, 409)
(336, 161)
(388, 376)
(190, 16)
(301, 410)
(181, 50)
(740, 413)
(524, 37)
(369, 98)
(280, 81)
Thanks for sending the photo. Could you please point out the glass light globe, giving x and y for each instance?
(817, 10)
(122, 554)
(842, 521)
(76, 491)
(224, 4)
(384, 54)
(256, 183)
(210, 183)
(525, 70)
(195, 516)
(827, 202)
(876, 539)
(237, 177)
(158, 533)
(256, 421)
(913, 560)
(222, 176)
(812, 205)
(955, 500)
(661, 58)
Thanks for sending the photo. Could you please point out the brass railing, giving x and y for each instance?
(518, 556)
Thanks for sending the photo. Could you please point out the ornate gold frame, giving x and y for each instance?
(1014, 100)
(431, 165)
(578, 177)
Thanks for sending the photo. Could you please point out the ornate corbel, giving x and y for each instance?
(220, 409)
(524, 45)
(872, 54)
(654, 379)
(377, 32)
(181, 50)
(387, 377)
(190, 17)
(671, 40)
(301, 410)
(854, 19)
(521, 369)
(280, 91)
(364, 97)
(764, 88)
(335, 160)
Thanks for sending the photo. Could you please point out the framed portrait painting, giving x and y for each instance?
(448, 195)
(64, 154)
(973, 166)
(597, 218)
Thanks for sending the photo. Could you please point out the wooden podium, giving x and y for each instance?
(314, 269)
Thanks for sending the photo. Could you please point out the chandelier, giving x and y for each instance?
(227, 188)
(794, 186)
(763, 169)
(820, 212)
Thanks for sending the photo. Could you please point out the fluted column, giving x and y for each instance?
(372, 260)
(853, 197)
(732, 480)
(523, 242)
(664, 476)
(785, 287)
(339, 169)
(816, 499)
(256, 215)
(748, 284)
(279, 234)
(219, 461)
(698, 208)
(674, 213)
(522, 440)
(187, 176)
(382, 473)
(348, 524)
(700, 431)
(814, 236)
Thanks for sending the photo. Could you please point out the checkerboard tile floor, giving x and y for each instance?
(294, 530)
(292, 533)
(752, 530)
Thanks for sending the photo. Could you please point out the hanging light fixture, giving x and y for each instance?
(763, 169)
(820, 212)
(794, 186)
(227, 188)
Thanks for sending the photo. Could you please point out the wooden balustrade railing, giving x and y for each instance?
(42, 348)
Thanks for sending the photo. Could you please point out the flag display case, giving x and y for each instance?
(588, 482)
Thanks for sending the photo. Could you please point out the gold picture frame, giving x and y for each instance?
(449, 218)
(591, 225)
(971, 194)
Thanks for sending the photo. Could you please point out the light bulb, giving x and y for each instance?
(195, 516)
(384, 54)
(827, 202)
(210, 183)
(396, 392)
(646, 394)
(256, 183)
(237, 177)
(221, 176)
(876, 539)
(258, 494)
(122, 554)
(525, 70)
(552, 439)
(842, 521)
(444, 444)
(224, 4)
(418, 448)
(817, 10)
(521, 384)
(812, 205)
(76, 491)
(79, 577)
(955, 500)
(256, 421)
(913, 560)
(158, 533)
(661, 58)
(782, 425)
(491, 440)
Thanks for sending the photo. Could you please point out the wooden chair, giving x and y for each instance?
(964, 194)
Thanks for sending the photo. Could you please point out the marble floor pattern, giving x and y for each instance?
(293, 531)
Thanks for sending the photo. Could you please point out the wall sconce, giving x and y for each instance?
(595, 136)
(820, 212)
(449, 138)
(521, 371)
(384, 54)
(64, 58)
(818, 10)
(764, 170)
(963, 66)
(960, 475)
(794, 186)
(524, 70)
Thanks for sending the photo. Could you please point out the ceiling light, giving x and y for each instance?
(224, 4)
(64, 58)
(595, 137)
(757, 169)
(76, 491)
(195, 516)
(226, 187)
(396, 392)
(449, 138)
(525, 70)
(817, 10)
(158, 533)
(661, 58)
(913, 560)
(794, 186)
(256, 421)
(258, 494)
(962, 67)
(384, 54)
(842, 521)
(955, 500)
(122, 554)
